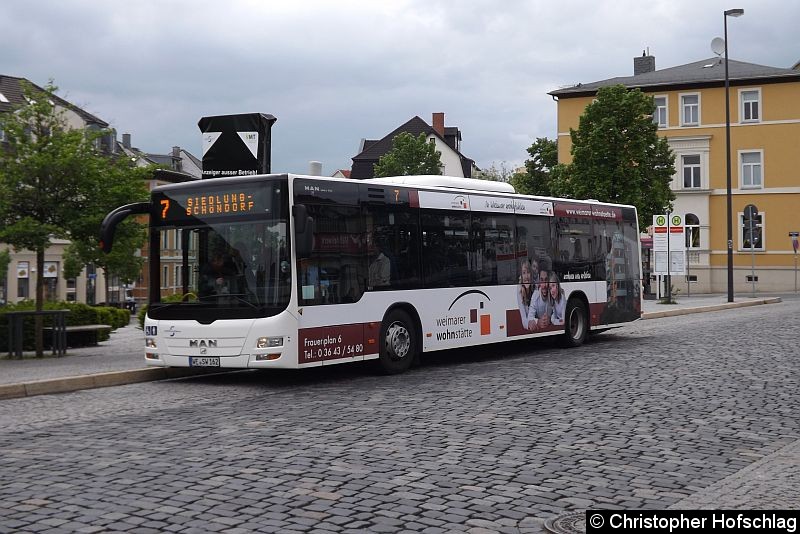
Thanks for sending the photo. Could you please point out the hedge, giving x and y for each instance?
(80, 314)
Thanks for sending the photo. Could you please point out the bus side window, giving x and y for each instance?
(493, 244)
(391, 236)
(330, 275)
(446, 249)
(535, 242)
(575, 243)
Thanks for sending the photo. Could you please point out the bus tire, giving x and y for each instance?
(576, 324)
(398, 343)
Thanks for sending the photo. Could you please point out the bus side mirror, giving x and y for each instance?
(303, 230)
(110, 222)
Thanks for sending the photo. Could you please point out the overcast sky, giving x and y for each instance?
(334, 72)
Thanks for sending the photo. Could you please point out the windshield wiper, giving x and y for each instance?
(165, 305)
(237, 296)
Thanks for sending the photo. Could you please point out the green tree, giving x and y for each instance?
(123, 184)
(540, 169)
(55, 183)
(409, 156)
(618, 156)
(495, 174)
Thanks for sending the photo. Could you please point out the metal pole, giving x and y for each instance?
(688, 272)
(669, 264)
(794, 236)
(752, 258)
(728, 166)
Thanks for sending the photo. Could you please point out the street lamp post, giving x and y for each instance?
(729, 13)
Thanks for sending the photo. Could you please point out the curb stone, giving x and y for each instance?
(98, 380)
(713, 307)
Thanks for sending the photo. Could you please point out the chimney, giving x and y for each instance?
(315, 168)
(176, 152)
(438, 123)
(644, 64)
(126, 140)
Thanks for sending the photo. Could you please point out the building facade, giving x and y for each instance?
(765, 143)
(446, 139)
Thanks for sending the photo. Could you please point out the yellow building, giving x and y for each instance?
(765, 145)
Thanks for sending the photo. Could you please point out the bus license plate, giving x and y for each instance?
(203, 361)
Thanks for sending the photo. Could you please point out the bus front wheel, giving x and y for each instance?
(398, 343)
(576, 325)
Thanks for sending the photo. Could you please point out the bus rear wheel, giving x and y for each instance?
(398, 343)
(576, 325)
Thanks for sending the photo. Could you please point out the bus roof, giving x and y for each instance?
(448, 182)
(422, 181)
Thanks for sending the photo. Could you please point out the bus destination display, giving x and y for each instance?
(176, 206)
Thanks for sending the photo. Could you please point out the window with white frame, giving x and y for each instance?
(177, 278)
(750, 109)
(690, 168)
(690, 109)
(660, 113)
(751, 170)
(692, 230)
(165, 277)
(752, 232)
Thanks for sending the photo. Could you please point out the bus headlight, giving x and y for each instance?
(150, 343)
(269, 342)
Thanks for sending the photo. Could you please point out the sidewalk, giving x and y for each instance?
(653, 309)
(117, 361)
(120, 360)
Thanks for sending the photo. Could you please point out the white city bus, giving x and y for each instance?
(289, 271)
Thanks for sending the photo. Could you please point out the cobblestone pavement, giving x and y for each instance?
(754, 487)
(692, 409)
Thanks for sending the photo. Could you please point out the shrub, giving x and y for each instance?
(79, 314)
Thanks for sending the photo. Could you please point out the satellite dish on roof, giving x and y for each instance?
(718, 45)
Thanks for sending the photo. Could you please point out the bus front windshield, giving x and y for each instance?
(215, 267)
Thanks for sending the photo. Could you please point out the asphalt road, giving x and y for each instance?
(665, 412)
